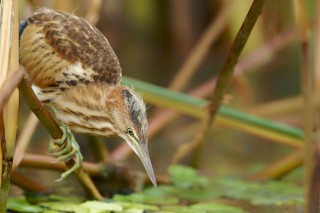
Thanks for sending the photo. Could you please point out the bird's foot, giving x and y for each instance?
(65, 149)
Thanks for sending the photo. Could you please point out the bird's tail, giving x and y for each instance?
(22, 26)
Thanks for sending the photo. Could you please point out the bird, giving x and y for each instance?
(75, 72)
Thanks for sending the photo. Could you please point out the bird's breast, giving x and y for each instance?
(82, 114)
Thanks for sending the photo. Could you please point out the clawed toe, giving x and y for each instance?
(65, 149)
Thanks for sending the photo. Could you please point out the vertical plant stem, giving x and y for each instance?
(24, 139)
(11, 110)
(228, 69)
(233, 56)
(3, 155)
(307, 92)
(316, 91)
(5, 38)
(6, 7)
(201, 49)
(93, 9)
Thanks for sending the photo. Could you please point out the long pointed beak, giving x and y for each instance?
(143, 153)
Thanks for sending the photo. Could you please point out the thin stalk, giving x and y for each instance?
(54, 130)
(316, 67)
(24, 139)
(278, 108)
(6, 159)
(97, 147)
(227, 71)
(312, 202)
(93, 10)
(45, 162)
(8, 142)
(27, 184)
(233, 56)
(8, 87)
(11, 110)
(280, 167)
(6, 6)
(4, 58)
(4, 167)
(187, 148)
(201, 49)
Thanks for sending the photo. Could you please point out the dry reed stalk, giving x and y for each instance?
(189, 147)
(69, 6)
(11, 110)
(24, 139)
(302, 24)
(5, 39)
(27, 184)
(9, 45)
(282, 107)
(201, 49)
(316, 62)
(279, 167)
(8, 88)
(93, 11)
(228, 69)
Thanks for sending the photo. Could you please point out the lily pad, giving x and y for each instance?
(22, 205)
(97, 206)
(216, 207)
(264, 193)
(196, 194)
(186, 177)
(147, 199)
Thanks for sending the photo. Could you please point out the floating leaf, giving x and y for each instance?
(97, 206)
(144, 198)
(131, 206)
(186, 177)
(203, 208)
(267, 193)
(64, 206)
(189, 194)
(216, 207)
(21, 205)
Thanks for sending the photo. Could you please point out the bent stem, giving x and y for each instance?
(54, 130)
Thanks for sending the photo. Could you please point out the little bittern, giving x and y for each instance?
(74, 70)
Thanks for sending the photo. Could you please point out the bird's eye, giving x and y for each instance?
(130, 131)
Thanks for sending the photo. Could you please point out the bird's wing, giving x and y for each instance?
(61, 50)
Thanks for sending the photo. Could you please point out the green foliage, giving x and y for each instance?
(21, 205)
(188, 192)
(186, 177)
(265, 193)
(204, 208)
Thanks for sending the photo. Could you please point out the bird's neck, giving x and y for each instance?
(86, 109)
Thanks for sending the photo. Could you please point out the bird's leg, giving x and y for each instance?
(65, 149)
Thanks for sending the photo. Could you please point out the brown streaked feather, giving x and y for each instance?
(52, 41)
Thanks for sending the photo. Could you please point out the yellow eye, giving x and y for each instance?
(130, 132)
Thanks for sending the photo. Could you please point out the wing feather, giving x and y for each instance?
(59, 49)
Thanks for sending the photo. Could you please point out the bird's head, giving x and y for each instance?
(130, 122)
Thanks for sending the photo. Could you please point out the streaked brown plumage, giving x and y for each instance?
(73, 69)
